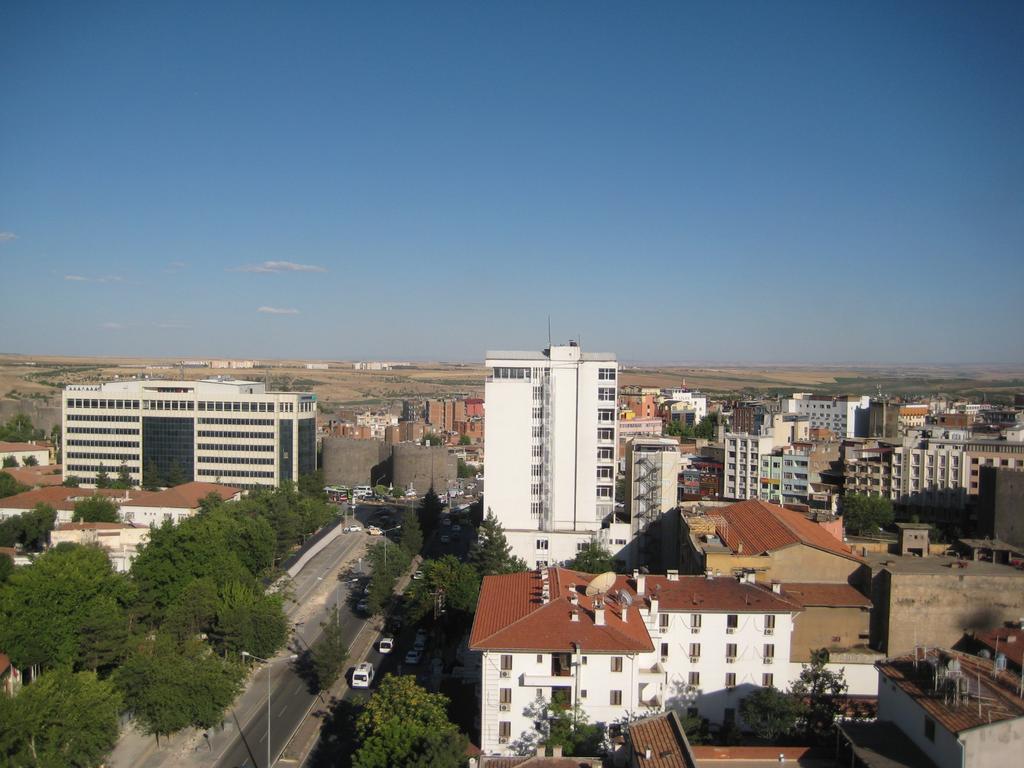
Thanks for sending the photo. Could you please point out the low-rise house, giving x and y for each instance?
(121, 541)
(37, 477)
(39, 451)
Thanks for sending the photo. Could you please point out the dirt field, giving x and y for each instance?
(340, 386)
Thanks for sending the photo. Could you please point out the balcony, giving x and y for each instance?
(545, 681)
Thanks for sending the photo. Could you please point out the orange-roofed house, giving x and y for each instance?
(774, 543)
(634, 645)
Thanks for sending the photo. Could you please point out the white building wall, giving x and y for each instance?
(896, 706)
(42, 456)
(742, 465)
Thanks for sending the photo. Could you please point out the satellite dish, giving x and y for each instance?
(625, 597)
(601, 584)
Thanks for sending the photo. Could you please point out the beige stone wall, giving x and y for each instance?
(817, 626)
(794, 563)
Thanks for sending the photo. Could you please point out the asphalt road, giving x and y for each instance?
(290, 694)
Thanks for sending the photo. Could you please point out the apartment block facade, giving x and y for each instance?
(167, 432)
(551, 445)
(844, 415)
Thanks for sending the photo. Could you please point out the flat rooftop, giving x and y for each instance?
(938, 565)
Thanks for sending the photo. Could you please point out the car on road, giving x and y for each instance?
(421, 640)
(456, 528)
(444, 538)
(414, 656)
(417, 576)
(446, 521)
(363, 606)
(362, 675)
(353, 529)
(373, 530)
(386, 645)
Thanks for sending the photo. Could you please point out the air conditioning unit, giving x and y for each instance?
(503, 707)
(769, 631)
(730, 685)
(506, 673)
(694, 659)
(769, 660)
(664, 659)
(694, 630)
(503, 739)
(730, 659)
(730, 630)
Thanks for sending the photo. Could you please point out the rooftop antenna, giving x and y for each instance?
(549, 331)
(601, 583)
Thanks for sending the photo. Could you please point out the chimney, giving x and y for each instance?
(574, 615)
(542, 750)
(776, 586)
(672, 575)
(625, 613)
(647, 753)
(598, 614)
(641, 582)
(556, 750)
(654, 604)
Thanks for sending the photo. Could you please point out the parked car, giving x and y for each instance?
(362, 675)
(418, 575)
(421, 640)
(456, 528)
(444, 538)
(363, 606)
(353, 529)
(414, 656)
(386, 645)
(373, 530)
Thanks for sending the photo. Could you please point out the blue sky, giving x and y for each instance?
(744, 181)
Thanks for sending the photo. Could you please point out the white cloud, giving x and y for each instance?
(278, 311)
(7, 236)
(279, 266)
(112, 326)
(101, 279)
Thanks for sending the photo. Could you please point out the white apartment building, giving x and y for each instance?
(930, 470)
(685, 401)
(652, 478)
(845, 415)
(741, 470)
(211, 430)
(551, 448)
(643, 645)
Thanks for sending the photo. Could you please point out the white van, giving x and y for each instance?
(362, 491)
(362, 675)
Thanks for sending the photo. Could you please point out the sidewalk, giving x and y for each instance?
(192, 746)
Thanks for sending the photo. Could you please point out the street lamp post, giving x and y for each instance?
(293, 657)
(385, 535)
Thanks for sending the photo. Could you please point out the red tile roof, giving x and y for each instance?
(998, 692)
(186, 496)
(46, 475)
(5, 662)
(511, 614)
(92, 526)
(663, 735)
(61, 498)
(18, 447)
(758, 527)
(832, 595)
(1007, 640)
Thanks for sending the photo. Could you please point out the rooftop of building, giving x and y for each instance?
(807, 594)
(957, 690)
(61, 498)
(545, 354)
(937, 566)
(755, 527)
(881, 744)
(43, 475)
(660, 742)
(1006, 640)
(513, 613)
(95, 526)
(34, 445)
(210, 386)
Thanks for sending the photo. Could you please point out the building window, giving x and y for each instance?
(505, 696)
(695, 650)
(695, 620)
(730, 651)
(616, 663)
(768, 680)
(769, 651)
(732, 621)
(506, 662)
(540, 658)
(929, 728)
(694, 679)
(542, 544)
(583, 693)
(504, 730)
(616, 698)
(730, 679)
(606, 374)
(664, 650)
(663, 619)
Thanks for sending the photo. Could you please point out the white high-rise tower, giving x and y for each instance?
(550, 448)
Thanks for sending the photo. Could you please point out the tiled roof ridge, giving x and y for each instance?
(781, 514)
(522, 618)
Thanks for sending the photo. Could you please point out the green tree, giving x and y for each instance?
(124, 478)
(707, 428)
(821, 691)
(593, 558)
(388, 561)
(30, 461)
(30, 529)
(400, 722)
(397, 493)
(170, 686)
(96, 509)
(311, 485)
(72, 481)
(432, 439)
(6, 567)
(381, 490)
(412, 534)
(430, 511)
(465, 470)
(863, 514)
(61, 719)
(491, 554)
(10, 461)
(695, 727)
(770, 713)
(569, 728)
(678, 428)
(464, 440)
(19, 429)
(9, 486)
(247, 619)
(194, 610)
(44, 606)
(330, 651)
(102, 478)
(456, 581)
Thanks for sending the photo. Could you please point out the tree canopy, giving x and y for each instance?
(19, 429)
(771, 713)
(9, 486)
(330, 651)
(30, 529)
(593, 558)
(402, 724)
(455, 582)
(863, 514)
(491, 554)
(821, 691)
(63, 718)
(96, 509)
